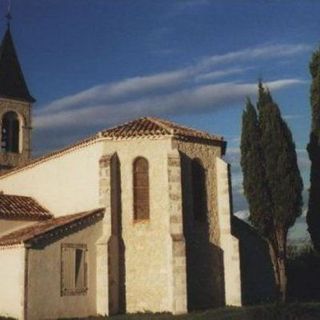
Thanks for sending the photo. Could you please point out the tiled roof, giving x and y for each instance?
(12, 82)
(140, 128)
(51, 229)
(19, 207)
(149, 126)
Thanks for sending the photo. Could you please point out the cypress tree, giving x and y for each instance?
(269, 164)
(282, 176)
(252, 163)
(313, 214)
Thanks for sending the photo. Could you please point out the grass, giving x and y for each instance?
(292, 311)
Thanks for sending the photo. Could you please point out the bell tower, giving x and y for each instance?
(15, 108)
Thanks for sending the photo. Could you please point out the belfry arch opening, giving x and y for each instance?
(10, 132)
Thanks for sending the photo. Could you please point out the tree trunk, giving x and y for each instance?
(282, 279)
(277, 249)
(273, 256)
(281, 261)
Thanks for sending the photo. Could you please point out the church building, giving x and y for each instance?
(136, 218)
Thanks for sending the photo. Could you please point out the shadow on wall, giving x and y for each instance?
(116, 247)
(205, 275)
(257, 278)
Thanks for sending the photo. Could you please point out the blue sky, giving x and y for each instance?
(93, 64)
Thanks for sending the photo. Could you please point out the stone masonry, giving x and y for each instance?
(176, 231)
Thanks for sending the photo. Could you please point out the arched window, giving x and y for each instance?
(199, 190)
(10, 132)
(141, 188)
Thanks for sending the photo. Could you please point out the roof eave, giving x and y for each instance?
(28, 99)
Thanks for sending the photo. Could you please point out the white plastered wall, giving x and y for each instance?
(229, 244)
(7, 226)
(44, 279)
(65, 184)
(12, 266)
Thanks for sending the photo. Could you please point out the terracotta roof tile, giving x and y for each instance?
(50, 228)
(139, 128)
(149, 126)
(19, 207)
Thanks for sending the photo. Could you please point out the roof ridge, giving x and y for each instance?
(116, 126)
(40, 229)
(167, 123)
(161, 124)
(76, 217)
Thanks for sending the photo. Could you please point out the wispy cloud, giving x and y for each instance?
(262, 52)
(125, 89)
(242, 214)
(292, 116)
(204, 69)
(213, 75)
(200, 99)
(200, 87)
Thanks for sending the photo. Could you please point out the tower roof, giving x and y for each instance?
(12, 82)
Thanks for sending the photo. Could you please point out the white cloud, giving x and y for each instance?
(262, 52)
(168, 81)
(122, 89)
(200, 99)
(209, 76)
(292, 116)
(242, 214)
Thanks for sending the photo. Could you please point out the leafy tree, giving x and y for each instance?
(313, 215)
(271, 178)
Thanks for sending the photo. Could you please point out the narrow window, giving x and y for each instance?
(141, 188)
(79, 268)
(10, 132)
(199, 190)
(73, 269)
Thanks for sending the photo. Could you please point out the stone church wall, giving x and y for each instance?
(161, 266)
(147, 243)
(228, 242)
(204, 257)
(213, 270)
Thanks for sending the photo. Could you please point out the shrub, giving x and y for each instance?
(303, 272)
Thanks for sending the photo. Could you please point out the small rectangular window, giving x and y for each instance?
(73, 269)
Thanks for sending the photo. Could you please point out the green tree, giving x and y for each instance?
(252, 163)
(271, 178)
(313, 214)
